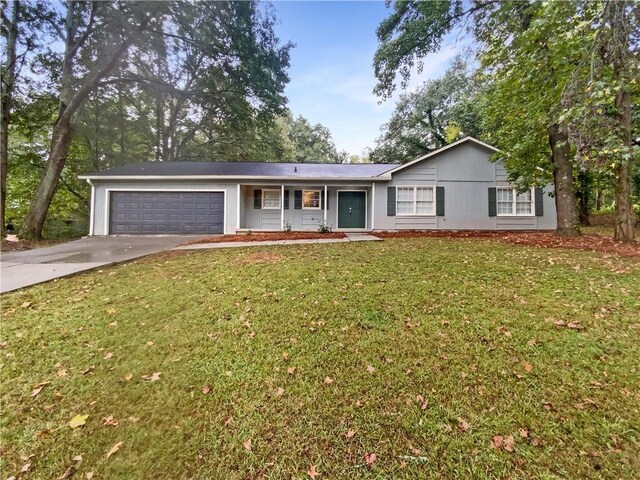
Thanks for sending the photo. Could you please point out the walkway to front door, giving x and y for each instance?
(352, 209)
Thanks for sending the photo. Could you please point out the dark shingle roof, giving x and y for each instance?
(257, 169)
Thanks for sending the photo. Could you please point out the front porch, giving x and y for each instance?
(300, 207)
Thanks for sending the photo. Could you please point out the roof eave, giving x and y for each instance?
(231, 177)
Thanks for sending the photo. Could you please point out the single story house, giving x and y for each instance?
(453, 188)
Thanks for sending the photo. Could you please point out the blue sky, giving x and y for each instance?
(331, 70)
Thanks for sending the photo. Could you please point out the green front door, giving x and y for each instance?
(352, 209)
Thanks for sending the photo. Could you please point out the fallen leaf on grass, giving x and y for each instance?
(150, 343)
(38, 388)
(496, 442)
(279, 392)
(291, 370)
(328, 380)
(424, 404)
(110, 421)
(77, 458)
(108, 355)
(312, 472)
(26, 305)
(78, 421)
(128, 376)
(524, 433)
(89, 475)
(69, 472)
(536, 442)
(508, 443)
(154, 377)
(25, 468)
(463, 425)
(228, 421)
(370, 458)
(247, 444)
(370, 369)
(206, 389)
(114, 449)
(528, 367)
(89, 369)
(350, 434)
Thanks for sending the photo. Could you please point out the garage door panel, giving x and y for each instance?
(166, 212)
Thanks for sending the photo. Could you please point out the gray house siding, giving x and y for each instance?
(466, 173)
(102, 189)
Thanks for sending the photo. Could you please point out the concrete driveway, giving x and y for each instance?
(29, 267)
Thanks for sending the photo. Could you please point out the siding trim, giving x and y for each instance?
(107, 197)
(92, 210)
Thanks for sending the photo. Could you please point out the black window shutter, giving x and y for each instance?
(286, 199)
(493, 205)
(257, 199)
(539, 207)
(297, 199)
(391, 201)
(440, 201)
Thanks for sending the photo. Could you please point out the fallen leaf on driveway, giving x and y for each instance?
(38, 388)
(78, 421)
(247, 444)
(114, 449)
(312, 472)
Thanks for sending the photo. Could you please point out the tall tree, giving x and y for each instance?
(601, 96)
(439, 112)
(10, 20)
(125, 22)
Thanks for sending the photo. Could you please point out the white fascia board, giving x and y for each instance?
(231, 177)
(440, 150)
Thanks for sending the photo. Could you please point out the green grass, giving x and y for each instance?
(454, 321)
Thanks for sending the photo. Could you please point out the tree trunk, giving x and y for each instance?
(61, 139)
(7, 92)
(624, 216)
(565, 193)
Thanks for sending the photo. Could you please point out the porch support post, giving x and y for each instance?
(238, 196)
(91, 208)
(325, 206)
(373, 206)
(281, 207)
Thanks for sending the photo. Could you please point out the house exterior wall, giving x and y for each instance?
(102, 188)
(466, 173)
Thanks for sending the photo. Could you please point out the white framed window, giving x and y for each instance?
(512, 203)
(415, 201)
(311, 199)
(271, 199)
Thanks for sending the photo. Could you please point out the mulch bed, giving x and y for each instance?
(20, 245)
(594, 243)
(268, 237)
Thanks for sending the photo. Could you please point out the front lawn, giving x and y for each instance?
(408, 358)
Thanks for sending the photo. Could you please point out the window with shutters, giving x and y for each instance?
(271, 199)
(415, 201)
(511, 203)
(311, 199)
